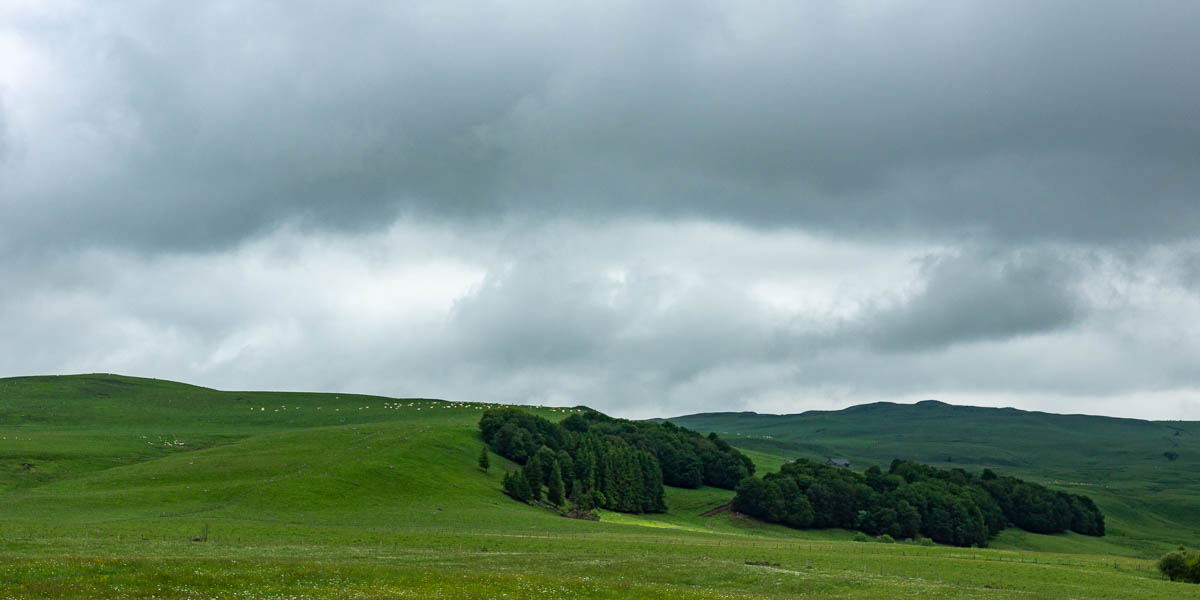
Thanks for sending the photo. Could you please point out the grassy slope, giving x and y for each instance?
(374, 497)
(1149, 501)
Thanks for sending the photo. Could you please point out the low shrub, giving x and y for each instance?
(1180, 565)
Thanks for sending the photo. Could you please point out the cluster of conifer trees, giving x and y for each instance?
(599, 461)
(602, 473)
(688, 459)
(912, 499)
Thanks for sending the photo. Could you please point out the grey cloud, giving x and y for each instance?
(648, 329)
(3, 133)
(542, 314)
(668, 207)
(553, 321)
(970, 298)
(204, 125)
(1189, 270)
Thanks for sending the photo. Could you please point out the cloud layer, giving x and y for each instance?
(650, 209)
(194, 126)
(721, 318)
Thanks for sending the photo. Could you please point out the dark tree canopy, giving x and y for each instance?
(688, 459)
(533, 475)
(516, 486)
(611, 463)
(555, 494)
(911, 499)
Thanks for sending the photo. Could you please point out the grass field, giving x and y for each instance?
(104, 480)
(1149, 501)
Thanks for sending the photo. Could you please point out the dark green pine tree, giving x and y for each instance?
(484, 461)
(631, 478)
(567, 469)
(585, 468)
(516, 486)
(574, 497)
(554, 487)
(609, 479)
(629, 481)
(546, 457)
(533, 475)
(652, 479)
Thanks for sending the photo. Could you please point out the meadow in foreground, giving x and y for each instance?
(382, 498)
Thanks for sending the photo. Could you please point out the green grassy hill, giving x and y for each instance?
(105, 480)
(116, 449)
(1150, 501)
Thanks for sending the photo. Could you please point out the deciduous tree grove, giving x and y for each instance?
(911, 499)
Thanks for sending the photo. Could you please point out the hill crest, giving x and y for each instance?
(924, 405)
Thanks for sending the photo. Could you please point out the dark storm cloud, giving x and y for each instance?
(650, 208)
(193, 126)
(3, 132)
(970, 298)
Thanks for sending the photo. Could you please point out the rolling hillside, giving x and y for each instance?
(105, 481)
(116, 449)
(1148, 496)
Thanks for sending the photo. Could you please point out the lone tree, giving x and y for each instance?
(484, 461)
(1181, 565)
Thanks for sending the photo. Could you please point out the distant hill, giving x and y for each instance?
(121, 487)
(140, 459)
(1144, 474)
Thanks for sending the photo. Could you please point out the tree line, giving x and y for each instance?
(592, 460)
(949, 506)
(688, 459)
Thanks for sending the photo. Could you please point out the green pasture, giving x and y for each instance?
(106, 480)
(1149, 501)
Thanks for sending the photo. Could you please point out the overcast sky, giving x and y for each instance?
(651, 208)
